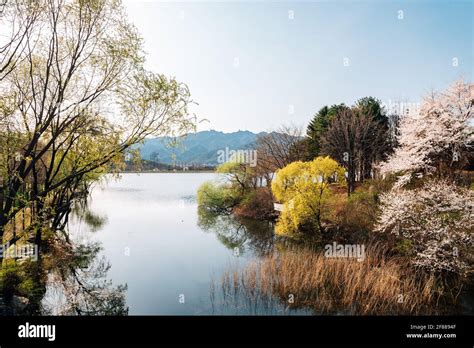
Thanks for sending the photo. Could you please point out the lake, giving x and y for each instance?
(170, 257)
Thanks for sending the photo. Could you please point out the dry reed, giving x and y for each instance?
(378, 285)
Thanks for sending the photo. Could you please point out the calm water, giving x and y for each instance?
(159, 246)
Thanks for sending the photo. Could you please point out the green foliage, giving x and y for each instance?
(239, 194)
(230, 167)
(55, 138)
(318, 127)
(371, 106)
(9, 279)
(20, 279)
(353, 217)
(238, 174)
(216, 198)
(404, 247)
(135, 159)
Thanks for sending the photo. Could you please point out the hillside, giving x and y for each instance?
(199, 148)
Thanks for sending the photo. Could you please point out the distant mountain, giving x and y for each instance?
(199, 148)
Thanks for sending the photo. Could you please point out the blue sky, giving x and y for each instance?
(252, 67)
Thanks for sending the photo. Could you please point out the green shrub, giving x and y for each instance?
(404, 247)
(9, 280)
(217, 198)
(354, 218)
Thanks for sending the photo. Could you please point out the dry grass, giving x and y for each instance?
(21, 223)
(377, 285)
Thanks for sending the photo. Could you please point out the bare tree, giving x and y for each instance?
(277, 149)
(355, 139)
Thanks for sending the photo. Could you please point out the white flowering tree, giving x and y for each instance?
(439, 134)
(437, 218)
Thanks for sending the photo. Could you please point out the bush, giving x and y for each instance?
(217, 198)
(354, 218)
(23, 278)
(257, 204)
(9, 280)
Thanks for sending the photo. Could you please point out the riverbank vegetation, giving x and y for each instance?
(75, 98)
(399, 184)
(303, 278)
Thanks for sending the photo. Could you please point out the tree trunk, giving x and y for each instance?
(2, 214)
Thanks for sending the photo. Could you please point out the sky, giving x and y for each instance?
(255, 65)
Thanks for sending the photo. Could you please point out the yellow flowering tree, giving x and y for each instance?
(304, 188)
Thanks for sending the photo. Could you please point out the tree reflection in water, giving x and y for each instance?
(78, 285)
(67, 279)
(255, 239)
(249, 236)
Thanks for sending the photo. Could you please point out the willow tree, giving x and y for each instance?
(16, 22)
(304, 189)
(78, 99)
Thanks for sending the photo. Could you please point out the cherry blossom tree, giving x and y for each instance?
(440, 134)
(438, 220)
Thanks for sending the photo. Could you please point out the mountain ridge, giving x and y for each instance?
(200, 148)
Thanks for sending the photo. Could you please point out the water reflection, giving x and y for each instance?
(78, 285)
(241, 235)
(234, 292)
(68, 278)
(174, 249)
(78, 281)
(82, 212)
